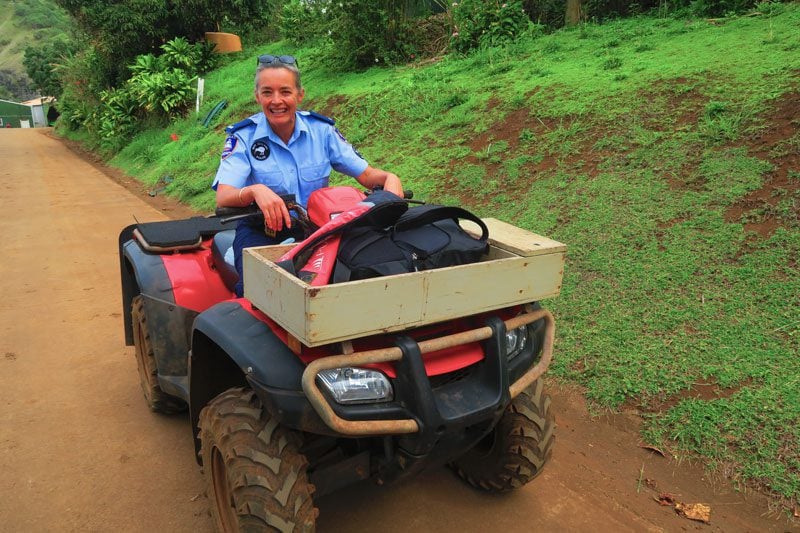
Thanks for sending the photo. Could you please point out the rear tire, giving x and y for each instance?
(256, 477)
(156, 399)
(516, 450)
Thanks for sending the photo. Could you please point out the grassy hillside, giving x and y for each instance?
(664, 152)
(24, 23)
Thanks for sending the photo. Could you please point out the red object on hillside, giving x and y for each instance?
(174, 136)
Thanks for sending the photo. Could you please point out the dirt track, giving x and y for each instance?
(80, 451)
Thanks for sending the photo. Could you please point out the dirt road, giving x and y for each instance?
(79, 450)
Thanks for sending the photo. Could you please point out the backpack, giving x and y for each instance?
(423, 237)
(312, 260)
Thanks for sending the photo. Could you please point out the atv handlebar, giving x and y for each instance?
(231, 214)
(407, 194)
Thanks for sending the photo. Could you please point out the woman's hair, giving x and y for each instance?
(291, 68)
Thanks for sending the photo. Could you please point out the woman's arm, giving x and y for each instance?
(373, 177)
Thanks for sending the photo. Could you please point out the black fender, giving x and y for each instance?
(170, 325)
(232, 348)
(140, 273)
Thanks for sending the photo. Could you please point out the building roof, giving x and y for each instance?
(39, 101)
(10, 102)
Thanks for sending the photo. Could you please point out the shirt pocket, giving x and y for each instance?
(272, 179)
(316, 175)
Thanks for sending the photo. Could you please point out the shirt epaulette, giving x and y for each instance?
(317, 116)
(239, 125)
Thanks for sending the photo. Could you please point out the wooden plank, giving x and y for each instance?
(321, 315)
(365, 307)
(517, 240)
(272, 253)
(273, 290)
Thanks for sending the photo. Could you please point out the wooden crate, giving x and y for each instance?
(521, 267)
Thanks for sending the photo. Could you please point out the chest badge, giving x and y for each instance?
(260, 150)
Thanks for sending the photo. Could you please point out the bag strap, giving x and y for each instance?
(341, 273)
(428, 214)
(380, 209)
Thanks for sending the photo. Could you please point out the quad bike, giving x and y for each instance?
(277, 422)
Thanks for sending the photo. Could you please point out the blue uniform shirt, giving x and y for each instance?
(255, 154)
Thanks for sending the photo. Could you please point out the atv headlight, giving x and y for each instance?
(515, 341)
(357, 385)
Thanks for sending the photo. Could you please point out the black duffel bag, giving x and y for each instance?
(423, 237)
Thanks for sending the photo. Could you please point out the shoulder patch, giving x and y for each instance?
(317, 116)
(342, 137)
(230, 144)
(239, 125)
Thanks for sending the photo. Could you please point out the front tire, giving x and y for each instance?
(517, 448)
(256, 477)
(156, 399)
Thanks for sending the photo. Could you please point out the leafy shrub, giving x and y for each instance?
(168, 92)
(160, 87)
(369, 32)
(478, 23)
(303, 21)
(164, 85)
(195, 59)
(81, 77)
(117, 117)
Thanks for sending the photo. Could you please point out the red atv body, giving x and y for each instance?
(275, 421)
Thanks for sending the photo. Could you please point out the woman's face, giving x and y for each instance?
(278, 96)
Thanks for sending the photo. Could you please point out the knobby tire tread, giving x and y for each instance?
(266, 473)
(523, 442)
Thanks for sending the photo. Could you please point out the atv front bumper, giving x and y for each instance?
(437, 411)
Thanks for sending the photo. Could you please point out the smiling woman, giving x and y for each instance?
(278, 92)
(283, 150)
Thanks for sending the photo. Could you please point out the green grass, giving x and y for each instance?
(628, 141)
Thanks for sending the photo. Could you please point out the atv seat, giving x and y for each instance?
(222, 252)
(176, 235)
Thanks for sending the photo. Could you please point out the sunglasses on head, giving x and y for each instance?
(269, 59)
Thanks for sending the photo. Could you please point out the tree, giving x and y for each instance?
(366, 32)
(40, 62)
(123, 30)
(574, 12)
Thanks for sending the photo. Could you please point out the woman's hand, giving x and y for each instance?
(392, 184)
(276, 215)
